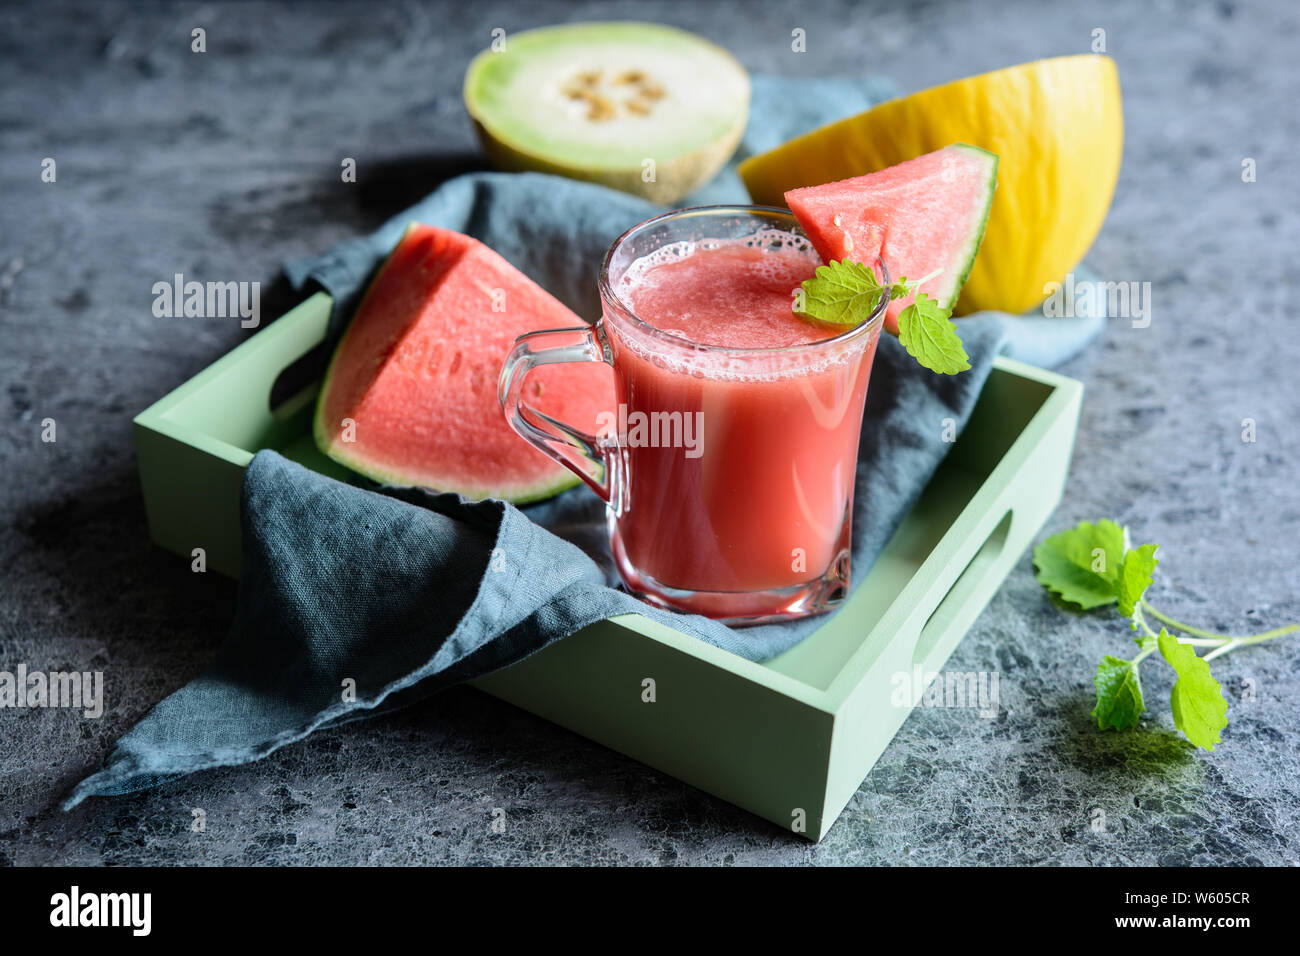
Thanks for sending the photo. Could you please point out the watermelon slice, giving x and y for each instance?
(920, 216)
(410, 397)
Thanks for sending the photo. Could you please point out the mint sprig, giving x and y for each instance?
(1092, 565)
(847, 293)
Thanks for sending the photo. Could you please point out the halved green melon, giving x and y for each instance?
(642, 107)
(410, 397)
(920, 216)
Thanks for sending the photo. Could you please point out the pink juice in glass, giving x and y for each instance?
(728, 465)
(747, 501)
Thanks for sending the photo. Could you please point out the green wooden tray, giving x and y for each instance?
(790, 739)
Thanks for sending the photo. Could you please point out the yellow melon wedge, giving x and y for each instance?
(1058, 128)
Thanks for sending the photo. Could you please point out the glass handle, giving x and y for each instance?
(583, 454)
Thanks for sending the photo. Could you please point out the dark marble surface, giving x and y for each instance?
(223, 165)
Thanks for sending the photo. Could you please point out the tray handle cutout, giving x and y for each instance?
(297, 381)
(944, 618)
(302, 358)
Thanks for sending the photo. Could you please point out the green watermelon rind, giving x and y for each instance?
(393, 479)
(966, 255)
(332, 449)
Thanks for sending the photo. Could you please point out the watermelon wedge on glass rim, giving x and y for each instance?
(921, 217)
(410, 396)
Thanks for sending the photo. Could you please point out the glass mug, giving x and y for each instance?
(746, 516)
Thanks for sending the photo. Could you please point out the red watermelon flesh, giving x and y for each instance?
(417, 372)
(921, 215)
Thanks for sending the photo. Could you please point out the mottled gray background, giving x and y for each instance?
(223, 165)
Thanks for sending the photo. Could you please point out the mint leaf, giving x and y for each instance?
(847, 293)
(1119, 694)
(841, 293)
(931, 338)
(1135, 577)
(1200, 710)
(1083, 564)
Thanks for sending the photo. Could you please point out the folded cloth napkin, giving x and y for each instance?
(393, 594)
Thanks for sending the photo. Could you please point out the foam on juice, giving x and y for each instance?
(727, 294)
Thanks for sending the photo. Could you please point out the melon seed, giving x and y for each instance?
(584, 85)
(600, 109)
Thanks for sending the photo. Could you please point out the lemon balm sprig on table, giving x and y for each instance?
(1093, 565)
(848, 293)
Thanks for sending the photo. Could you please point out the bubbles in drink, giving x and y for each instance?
(733, 294)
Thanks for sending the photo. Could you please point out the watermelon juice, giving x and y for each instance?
(729, 463)
(751, 520)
